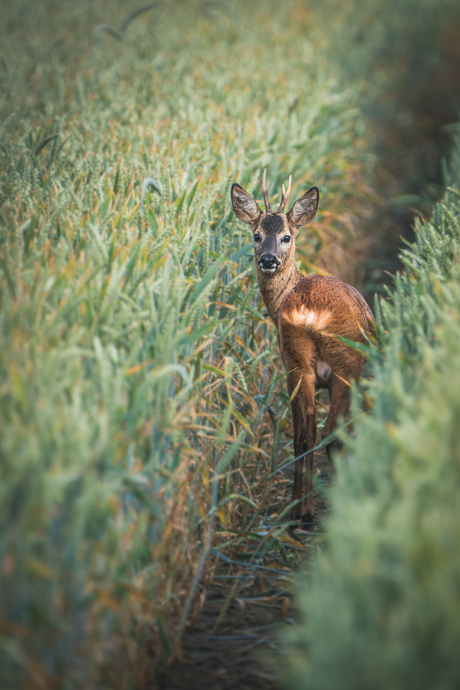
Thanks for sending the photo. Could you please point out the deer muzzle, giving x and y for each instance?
(268, 263)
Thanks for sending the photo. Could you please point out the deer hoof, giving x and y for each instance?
(333, 449)
(295, 514)
(308, 519)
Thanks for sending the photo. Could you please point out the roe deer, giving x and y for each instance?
(308, 312)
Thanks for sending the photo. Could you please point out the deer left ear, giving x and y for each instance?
(304, 209)
(246, 208)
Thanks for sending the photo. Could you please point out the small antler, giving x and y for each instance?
(265, 187)
(285, 196)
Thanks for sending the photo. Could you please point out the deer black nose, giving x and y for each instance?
(268, 261)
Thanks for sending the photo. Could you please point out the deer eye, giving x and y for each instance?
(286, 238)
(256, 237)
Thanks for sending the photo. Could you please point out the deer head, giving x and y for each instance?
(274, 232)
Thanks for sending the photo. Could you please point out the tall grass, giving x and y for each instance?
(137, 368)
(405, 57)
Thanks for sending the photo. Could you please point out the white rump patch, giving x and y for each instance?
(311, 317)
(308, 318)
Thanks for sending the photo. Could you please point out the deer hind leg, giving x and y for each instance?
(339, 404)
(304, 418)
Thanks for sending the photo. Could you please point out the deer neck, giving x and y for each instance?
(275, 286)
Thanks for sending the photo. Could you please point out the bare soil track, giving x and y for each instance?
(236, 654)
(234, 640)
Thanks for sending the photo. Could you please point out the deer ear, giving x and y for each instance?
(246, 208)
(304, 209)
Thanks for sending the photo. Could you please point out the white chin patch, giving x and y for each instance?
(269, 270)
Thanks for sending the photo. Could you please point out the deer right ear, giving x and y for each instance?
(304, 209)
(246, 208)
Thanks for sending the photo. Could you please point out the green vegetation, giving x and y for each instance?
(394, 48)
(402, 58)
(135, 361)
(142, 400)
(405, 57)
(381, 603)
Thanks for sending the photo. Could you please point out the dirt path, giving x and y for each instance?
(233, 642)
(237, 653)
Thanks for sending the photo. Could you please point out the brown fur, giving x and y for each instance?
(308, 313)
